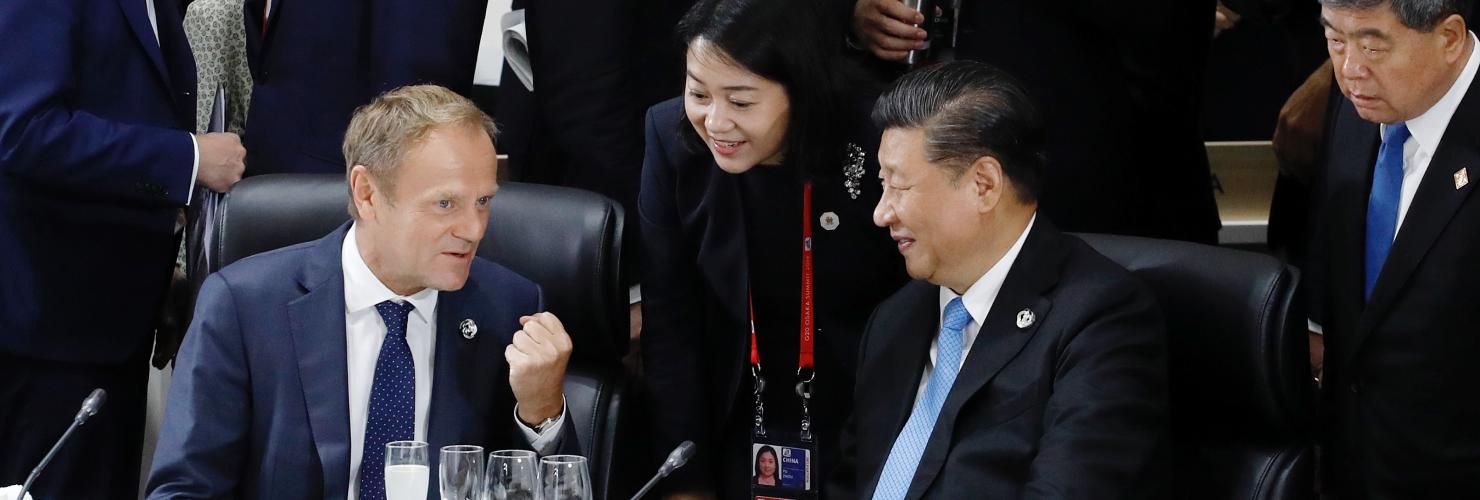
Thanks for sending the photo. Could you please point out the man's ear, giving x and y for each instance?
(362, 192)
(989, 182)
(1454, 34)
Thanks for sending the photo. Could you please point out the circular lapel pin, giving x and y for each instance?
(829, 220)
(1025, 318)
(469, 328)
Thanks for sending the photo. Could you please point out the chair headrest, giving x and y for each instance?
(1239, 357)
(566, 240)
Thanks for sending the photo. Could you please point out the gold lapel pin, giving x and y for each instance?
(1461, 178)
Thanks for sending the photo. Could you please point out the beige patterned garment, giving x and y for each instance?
(218, 38)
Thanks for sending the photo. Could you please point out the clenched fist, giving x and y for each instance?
(537, 359)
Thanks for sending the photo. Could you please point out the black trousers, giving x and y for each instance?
(37, 402)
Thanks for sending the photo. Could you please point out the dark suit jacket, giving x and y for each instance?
(95, 157)
(1072, 406)
(258, 405)
(1400, 369)
(315, 61)
(1118, 83)
(695, 320)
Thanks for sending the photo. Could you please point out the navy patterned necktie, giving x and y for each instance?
(392, 415)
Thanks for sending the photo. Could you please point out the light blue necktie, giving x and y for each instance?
(904, 456)
(392, 415)
(1382, 205)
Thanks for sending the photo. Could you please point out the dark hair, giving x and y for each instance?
(793, 43)
(968, 110)
(764, 450)
(1421, 15)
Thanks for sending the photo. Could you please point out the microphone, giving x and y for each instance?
(927, 7)
(90, 407)
(676, 458)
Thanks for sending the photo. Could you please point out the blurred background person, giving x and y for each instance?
(1119, 83)
(96, 158)
(765, 118)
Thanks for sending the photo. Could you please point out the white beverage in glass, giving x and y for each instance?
(406, 482)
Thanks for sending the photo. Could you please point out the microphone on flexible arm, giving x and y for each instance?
(90, 407)
(676, 458)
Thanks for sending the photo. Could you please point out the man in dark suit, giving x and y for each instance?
(302, 363)
(1395, 269)
(1119, 85)
(96, 158)
(314, 61)
(1020, 364)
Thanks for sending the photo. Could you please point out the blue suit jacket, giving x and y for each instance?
(314, 61)
(94, 159)
(259, 406)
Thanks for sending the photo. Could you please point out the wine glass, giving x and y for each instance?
(406, 470)
(512, 475)
(461, 472)
(564, 477)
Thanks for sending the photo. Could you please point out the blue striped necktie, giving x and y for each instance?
(392, 415)
(1382, 204)
(904, 456)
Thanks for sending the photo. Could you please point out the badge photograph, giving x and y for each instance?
(781, 467)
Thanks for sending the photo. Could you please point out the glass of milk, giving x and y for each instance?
(406, 470)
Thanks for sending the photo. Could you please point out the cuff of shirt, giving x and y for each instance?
(634, 294)
(194, 169)
(547, 440)
(1314, 327)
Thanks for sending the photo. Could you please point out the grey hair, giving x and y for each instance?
(1420, 15)
(968, 110)
(382, 131)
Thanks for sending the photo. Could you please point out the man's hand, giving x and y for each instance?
(1224, 18)
(1302, 125)
(537, 359)
(222, 160)
(887, 28)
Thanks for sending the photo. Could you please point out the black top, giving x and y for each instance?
(708, 236)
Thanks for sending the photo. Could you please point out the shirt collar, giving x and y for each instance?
(362, 290)
(1428, 128)
(980, 296)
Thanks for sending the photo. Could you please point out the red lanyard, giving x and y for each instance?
(804, 354)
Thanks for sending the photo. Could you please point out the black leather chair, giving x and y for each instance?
(1241, 390)
(566, 240)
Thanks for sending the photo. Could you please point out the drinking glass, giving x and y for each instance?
(564, 477)
(406, 470)
(461, 472)
(512, 475)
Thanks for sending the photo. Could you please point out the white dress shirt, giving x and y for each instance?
(365, 331)
(1425, 132)
(978, 301)
(194, 146)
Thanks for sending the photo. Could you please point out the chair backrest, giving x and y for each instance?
(566, 240)
(1241, 389)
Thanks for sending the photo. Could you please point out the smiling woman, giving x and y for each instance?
(763, 136)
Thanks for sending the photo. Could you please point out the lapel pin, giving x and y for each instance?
(829, 220)
(1024, 318)
(1461, 178)
(469, 329)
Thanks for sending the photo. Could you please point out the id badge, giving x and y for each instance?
(783, 468)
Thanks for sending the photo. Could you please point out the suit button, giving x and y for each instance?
(1354, 387)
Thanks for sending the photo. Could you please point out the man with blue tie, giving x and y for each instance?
(302, 363)
(1020, 363)
(96, 159)
(1395, 276)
